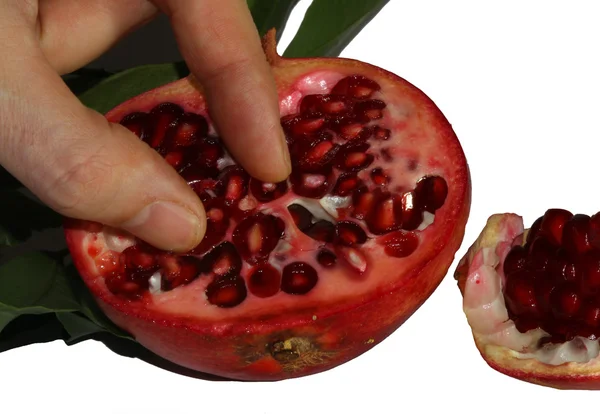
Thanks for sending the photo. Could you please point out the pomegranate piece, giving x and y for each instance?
(256, 236)
(265, 192)
(179, 270)
(227, 291)
(356, 86)
(550, 289)
(264, 281)
(298, 278)
(326, 258)
(348, 233)
(366, 225)
(301, 216)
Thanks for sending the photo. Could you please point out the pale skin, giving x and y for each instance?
(84, 167)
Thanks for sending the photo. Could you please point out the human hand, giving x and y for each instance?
(84, 167)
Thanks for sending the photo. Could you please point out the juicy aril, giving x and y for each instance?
(532, 297)
(299, 276)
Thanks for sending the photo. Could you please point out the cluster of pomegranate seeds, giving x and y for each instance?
(553, 280)
(341, 159)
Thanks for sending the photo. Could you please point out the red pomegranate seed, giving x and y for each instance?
(562, 268)
(520, 294)
(552, 224)
(590, 272)
(139, 258)
(540, 254)
(379, 177)
(386, 214)
(206, 152)
(515, 260)
(432, 191)
(310, 185)
(381, 133)
(565, 301)
(326, 258)
(222, 260)
(298, 278)
(175, 158)
(189, 129)
(576, 235)
(179, 270)
(315, 154)
(265, 192)
(137, 122)
(307, 125)
(346, 184)
(163, 117)
(217, 223)
(534, 231)
(131, 287)
(412, 211)
(524, 324)
(227, 291)
(369, 110)
(301, 216)
(256, 236)
(325, 104)
(206, 189)
(352, 130)
(544, 289)
(591, 315)
(594, 234)
(363, 202)
(349, 233)
(234, 184)
(399, 243)
(352, 156)
(356, 86)
(321, 230)
(264, 281)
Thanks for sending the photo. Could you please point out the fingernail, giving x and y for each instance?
(167, 226)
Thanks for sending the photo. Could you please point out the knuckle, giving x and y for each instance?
(84, 186)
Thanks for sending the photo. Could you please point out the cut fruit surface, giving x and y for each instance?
(532, 300)
(295, 277)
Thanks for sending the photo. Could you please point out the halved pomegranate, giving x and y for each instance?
(532, 297)
(300, 276)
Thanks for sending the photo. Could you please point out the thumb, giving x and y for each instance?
(84, 167)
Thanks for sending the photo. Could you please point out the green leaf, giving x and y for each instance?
(21, 215)
(78, 327)
(330, 25)
(83, 79)
(34, 283)
(6, 238)
(126, 84)
(89, 309)
(268, 14)
(6, 318)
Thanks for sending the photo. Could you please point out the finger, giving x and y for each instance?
(222, 47)
(84, 167)
(72, 33)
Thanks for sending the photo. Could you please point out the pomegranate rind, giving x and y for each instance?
(499, 232)
(313, 337)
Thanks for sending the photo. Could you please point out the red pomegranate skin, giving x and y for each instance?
(313, 337)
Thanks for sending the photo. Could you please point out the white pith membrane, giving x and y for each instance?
(413, 155)
(485, 309)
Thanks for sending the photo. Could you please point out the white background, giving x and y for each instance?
(519, 82)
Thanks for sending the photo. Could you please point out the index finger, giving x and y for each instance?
(222, 47)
